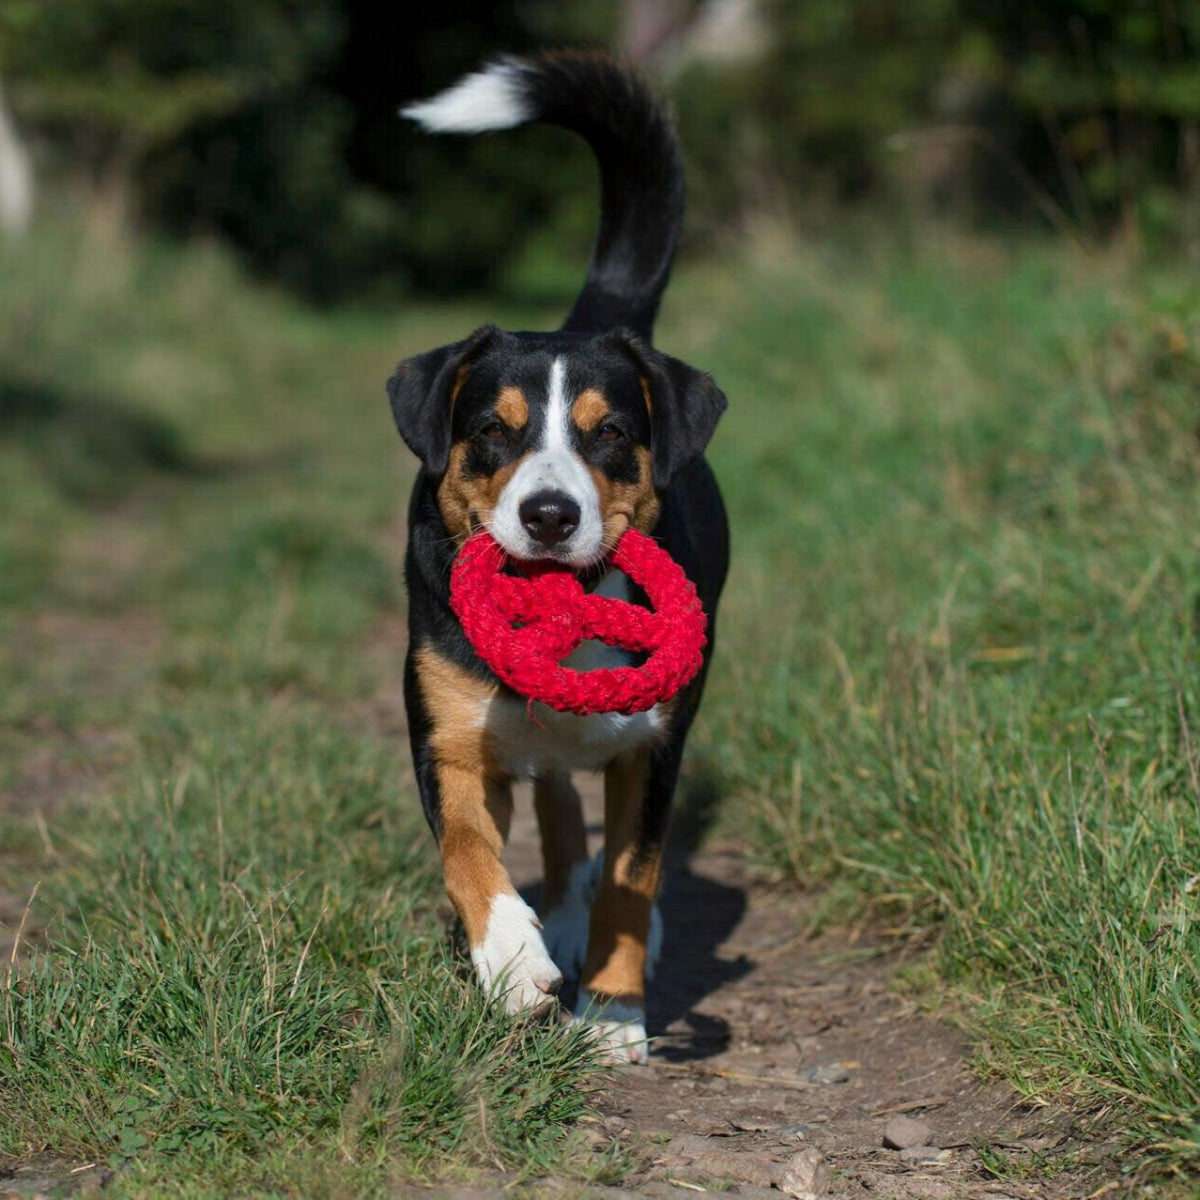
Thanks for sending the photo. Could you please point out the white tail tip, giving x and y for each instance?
(493, 98)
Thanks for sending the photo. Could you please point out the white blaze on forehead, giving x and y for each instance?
(555, 433)
(554, 466)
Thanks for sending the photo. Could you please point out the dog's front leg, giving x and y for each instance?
(468, 800)
(637, 798)
(502, 930)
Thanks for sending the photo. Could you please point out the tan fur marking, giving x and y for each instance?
(626, 504)
(646, 393)
(455, 700)
(475, 816)
(620, 922)
(476, 797)
(460, 377)
(589, 409)
(512, 407)
(464, 502)
(564, 835)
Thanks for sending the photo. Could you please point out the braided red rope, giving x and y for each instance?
(523, 626)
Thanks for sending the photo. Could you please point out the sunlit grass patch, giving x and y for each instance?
(959, 673)
(244, 956)
(234, 979)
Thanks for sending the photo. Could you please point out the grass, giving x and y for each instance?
(956, 688)
(959, 678)
(245, 986)
(262, 967)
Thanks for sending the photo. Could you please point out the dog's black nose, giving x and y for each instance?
(549, 517)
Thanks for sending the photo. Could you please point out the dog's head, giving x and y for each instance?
(553, 443)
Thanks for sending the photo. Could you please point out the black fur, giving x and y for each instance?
(685, 407)
(420, 393)
(656, 402)
(641, 184)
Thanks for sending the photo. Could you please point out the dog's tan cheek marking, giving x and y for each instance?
(626, 504)
(512, 407)
(615, 968)
(590, 408)
(451, 500)
(459, 496)
(447, 502)
(475, 795)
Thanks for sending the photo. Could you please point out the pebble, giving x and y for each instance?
(925, 1155)
(829, 1073)
(901, 1132)
(805, 1176)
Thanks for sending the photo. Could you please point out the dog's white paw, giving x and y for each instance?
(619, 1028)
(512, 960)
(565, 926)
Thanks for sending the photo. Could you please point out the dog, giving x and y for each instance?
(556, 443)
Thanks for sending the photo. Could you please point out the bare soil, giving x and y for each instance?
(767, 1044)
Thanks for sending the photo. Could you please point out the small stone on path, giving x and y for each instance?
(925, 1156)
(901, 1132)
(829, 1073)
(805, 1176)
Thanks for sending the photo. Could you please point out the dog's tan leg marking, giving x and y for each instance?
(476, 814)
(475, 808)
(614, 973)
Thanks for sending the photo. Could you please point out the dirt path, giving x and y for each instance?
(772, 1050)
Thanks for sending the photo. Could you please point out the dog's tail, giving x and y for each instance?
(641, 173)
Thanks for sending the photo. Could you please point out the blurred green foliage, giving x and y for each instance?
(1115, 87)
(1085, 110)
(274, 125)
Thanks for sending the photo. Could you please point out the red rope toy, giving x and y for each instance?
(523, 626)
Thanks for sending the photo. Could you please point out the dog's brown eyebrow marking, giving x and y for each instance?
(589, 409)
(512, 407)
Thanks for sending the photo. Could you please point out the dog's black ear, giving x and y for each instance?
(422, 390)
(685, 405)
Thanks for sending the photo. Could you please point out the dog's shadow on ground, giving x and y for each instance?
(699, 913)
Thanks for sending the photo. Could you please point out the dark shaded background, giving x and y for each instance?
(272, 124)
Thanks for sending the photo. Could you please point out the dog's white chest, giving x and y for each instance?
(533, 739)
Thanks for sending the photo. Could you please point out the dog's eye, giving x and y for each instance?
(493, 430)
(609, 433)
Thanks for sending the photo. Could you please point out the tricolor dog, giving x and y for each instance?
(556, 443)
